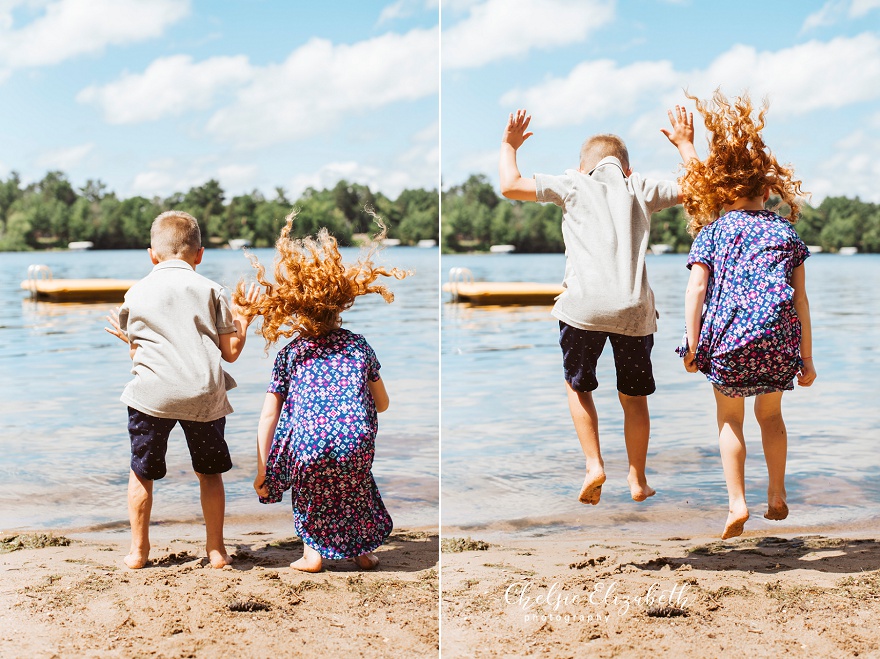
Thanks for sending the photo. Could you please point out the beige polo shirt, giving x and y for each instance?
(176, 317)
(606, 219)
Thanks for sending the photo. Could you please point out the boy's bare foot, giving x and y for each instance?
(776, 508)
(591, 490)
(641, 492)
(137, 559)
(310, 561)
(736, 520)
(366, 561)
(219, 558)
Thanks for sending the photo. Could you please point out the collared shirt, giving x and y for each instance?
(606, 221)
(176, 317)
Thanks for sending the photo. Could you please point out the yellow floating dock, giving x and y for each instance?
(464, 289)
(43, 286)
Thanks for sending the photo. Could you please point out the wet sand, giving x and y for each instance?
(796, 592)
(79, 600)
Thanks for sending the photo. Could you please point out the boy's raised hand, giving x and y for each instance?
(515, 132)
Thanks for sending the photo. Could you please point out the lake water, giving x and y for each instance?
(64, 449)
(511, 461)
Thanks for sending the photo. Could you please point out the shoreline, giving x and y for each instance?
(70, 595)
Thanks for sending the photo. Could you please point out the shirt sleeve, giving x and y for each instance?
(801, 252)
(701, 249)
(281, 374)
(660, 194)
(223, 313)
(552, 189)
(372, 361)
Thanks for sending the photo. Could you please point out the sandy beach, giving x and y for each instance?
(68, 594)
(795, 593)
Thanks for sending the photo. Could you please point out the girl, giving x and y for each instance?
(752, 337)
(317, 429)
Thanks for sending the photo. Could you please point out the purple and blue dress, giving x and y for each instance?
(750, 336)
(323, 446)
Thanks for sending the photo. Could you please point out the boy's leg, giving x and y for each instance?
(210, 460)
(768, 412)
(586, 424)
(580, 352)
(636, 432)
(730, 412)
(213, 498)
(149, 442)
(635, 382)
(140, 504)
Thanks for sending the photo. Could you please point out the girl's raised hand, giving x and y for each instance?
(515, 132)
(682, 123)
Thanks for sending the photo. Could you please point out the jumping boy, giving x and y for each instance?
(606, 219)
(178, 325)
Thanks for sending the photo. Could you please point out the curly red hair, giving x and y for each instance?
(739, 164)
(312, 285)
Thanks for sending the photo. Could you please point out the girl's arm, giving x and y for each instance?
(802, 308)
(380, 396)
(693, 311)
(265, 430)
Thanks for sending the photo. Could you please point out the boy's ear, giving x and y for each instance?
(199, 255)
(152, 256)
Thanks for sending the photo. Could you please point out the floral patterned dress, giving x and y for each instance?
(750, 335)
(324, 442)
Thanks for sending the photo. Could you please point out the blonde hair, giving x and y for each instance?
(175, 234)
(601, 146)
(739, 164)
(312, 285)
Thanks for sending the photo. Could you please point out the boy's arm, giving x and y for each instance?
(265, 430)
(693, 311)
(681, 135)
(380, 395)
(232, 344)
(513, 185)
(116, 330)
(802, 308)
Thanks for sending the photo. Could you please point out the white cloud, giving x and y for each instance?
(238, 177)
(394, 11)
(69, 28)
(854, 167)
(320, 83)
(333, 172)
(169, 86)
(807, 77)
(65, 159)
(499, 29)
(592, 90)
(834, 10)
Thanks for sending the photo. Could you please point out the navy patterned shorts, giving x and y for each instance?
(149, 442)
(632, 360)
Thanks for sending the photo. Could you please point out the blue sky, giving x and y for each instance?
(155, 96)
(593, 66)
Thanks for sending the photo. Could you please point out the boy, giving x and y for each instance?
(605, 226)
(178, 325)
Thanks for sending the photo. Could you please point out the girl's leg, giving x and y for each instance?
(310, 561)
(768, 412)
(733, 458)
(586, 424)
(366, 561)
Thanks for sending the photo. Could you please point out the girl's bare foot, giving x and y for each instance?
(310, 561)
(591, 490)
(219, 558)
(639, 491)
(137, 559)
(776, 507)
(366, 561)
(736, 520)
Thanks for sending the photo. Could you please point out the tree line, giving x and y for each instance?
(475, 217)
(51, 213)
